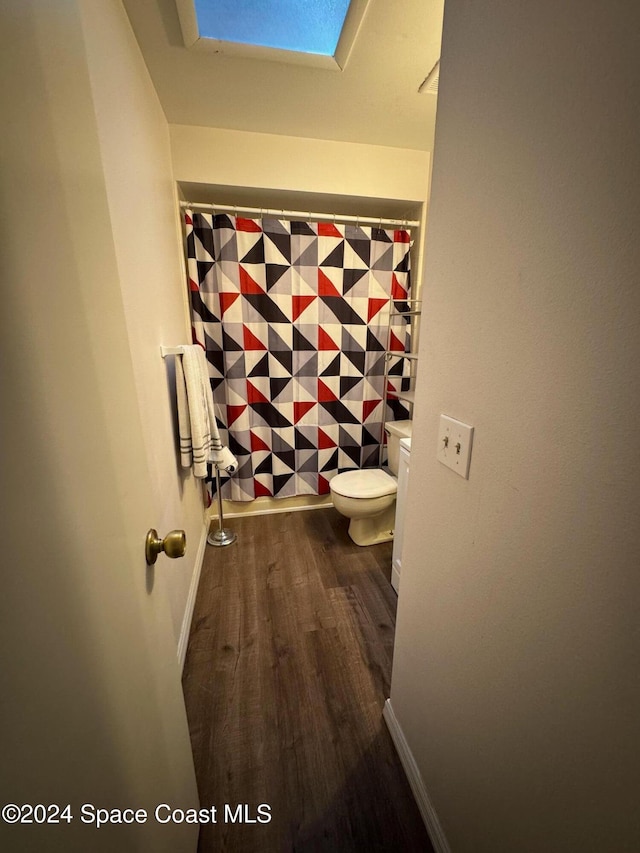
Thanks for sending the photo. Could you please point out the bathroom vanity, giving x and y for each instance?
(398, 535)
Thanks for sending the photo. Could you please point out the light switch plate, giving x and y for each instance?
(454, 445)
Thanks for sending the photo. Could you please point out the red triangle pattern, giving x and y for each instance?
(397, 290)
(395, 344)
(233, 413)
(226, 301)
(325, 286)
(261, 491)
(301, 409)
(323, 485)
(188, 219)
(251, 342)
(258, 444)
(247, 284)
(325, 394)
(328, 229)
(324, 442)
(369, 406)
(192, 285)
(374, 306)
(401, 237)
(325, 342)
(299, 303)
(243, 224)
(253, 395)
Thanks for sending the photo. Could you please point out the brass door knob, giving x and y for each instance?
(174, 545)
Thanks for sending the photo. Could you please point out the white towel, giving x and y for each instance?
(184, 425)
(199, 436)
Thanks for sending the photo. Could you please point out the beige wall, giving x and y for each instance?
(136, 158)
(515, 676)
(92, 710)
(239, 158)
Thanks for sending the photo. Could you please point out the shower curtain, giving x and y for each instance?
(294, 319)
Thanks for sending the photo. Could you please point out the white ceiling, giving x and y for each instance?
(374, 100)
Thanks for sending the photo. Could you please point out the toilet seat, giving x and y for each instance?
(367, 483)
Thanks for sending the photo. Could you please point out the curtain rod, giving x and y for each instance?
(298, 214)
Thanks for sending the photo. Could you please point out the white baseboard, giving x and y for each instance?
(416, 781)
(395, 574)
(269, 510)
(191, 598)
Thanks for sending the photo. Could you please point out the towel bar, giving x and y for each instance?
(165, 351)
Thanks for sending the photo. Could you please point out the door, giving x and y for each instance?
(92, 709)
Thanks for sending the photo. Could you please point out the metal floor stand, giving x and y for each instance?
(221, 536)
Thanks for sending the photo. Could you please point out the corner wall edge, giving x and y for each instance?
(416, 782)
(191, 598)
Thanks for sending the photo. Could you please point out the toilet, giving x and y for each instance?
(368, 496)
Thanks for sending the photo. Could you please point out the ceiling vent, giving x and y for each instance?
(429, 85)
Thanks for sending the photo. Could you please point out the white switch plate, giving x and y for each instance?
(454, 445)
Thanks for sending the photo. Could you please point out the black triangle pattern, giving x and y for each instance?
(262, 367)
(201, 310)
(343, 311)
(303, 442)
(204, 268)
(255, 255)
(335, 258)
(279, 383)
(350, 278)
(266, 307)
(274, 274)
(266, 466)
(230, 344)
(332, 369)
(347, 383)
(285, 357)
(332, 463)
(282, 242)
(362, 248)
(300, 342)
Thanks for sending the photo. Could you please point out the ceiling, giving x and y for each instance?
(374, 100)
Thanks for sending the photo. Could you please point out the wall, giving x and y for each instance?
(136, 158)
(92, 709)
(263, 160)
(515, 677)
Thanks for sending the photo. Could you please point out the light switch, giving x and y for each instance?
(454, 445)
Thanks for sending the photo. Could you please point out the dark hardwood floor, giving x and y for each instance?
(287, 671)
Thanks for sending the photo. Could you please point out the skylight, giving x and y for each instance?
(320, 33)
(313, 26)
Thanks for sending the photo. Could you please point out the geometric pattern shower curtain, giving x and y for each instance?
(293, 317)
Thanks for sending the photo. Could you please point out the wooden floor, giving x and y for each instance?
(287, 670)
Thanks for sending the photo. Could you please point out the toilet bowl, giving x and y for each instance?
(368, 496)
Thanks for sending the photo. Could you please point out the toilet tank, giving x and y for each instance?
(395, 430)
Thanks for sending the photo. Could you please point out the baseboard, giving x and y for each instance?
(395, 575)
(429, 816)
(191, 598)
(271, 506)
